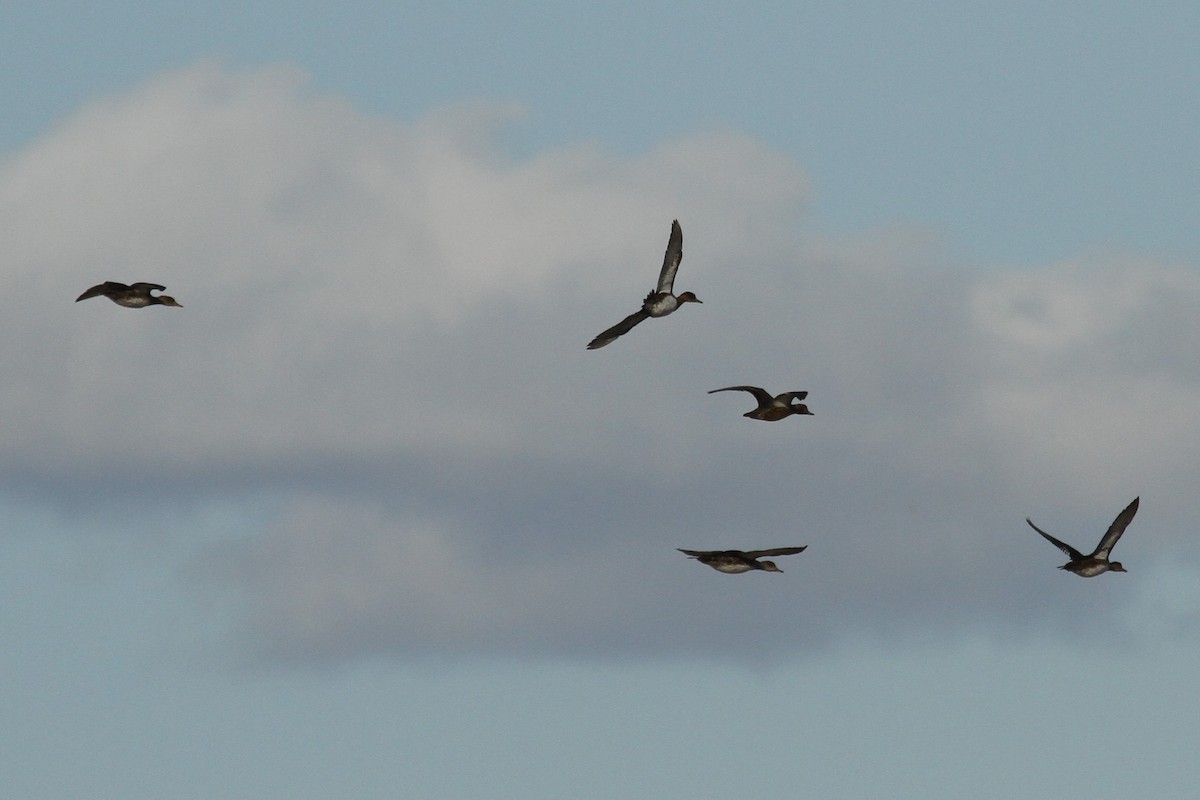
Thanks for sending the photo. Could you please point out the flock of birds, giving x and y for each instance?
(662, 301)
(659, 303)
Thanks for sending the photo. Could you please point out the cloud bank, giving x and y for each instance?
(384, 332)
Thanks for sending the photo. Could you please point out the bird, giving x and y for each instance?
(1097, 562)
(659, 302)
(771, 409)
(136, 295)
(733, 562)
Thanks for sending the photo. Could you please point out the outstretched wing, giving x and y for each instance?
(1071, 552)
(760, 395)
(787, 397)
(101, 289)
(696, 553)
(777, 551)
(146, 287)
(674, 254)
(620, 329)
(1116, 529)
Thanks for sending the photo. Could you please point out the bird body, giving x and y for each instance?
(135, 295)
(771, 409)
(1087, 566)
(733, 562)
(660, 302)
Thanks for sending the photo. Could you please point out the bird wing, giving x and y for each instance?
(787, 397)
(674, 254)
(697, 553)
(1116, 529)
(101, 289)
(1071, 552)
(777, 551)
(620, 329)
(761, 395)
(146, 287)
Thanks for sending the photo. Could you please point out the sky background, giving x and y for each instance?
(364, 519)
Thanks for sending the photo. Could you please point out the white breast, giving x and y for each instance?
(663, 306)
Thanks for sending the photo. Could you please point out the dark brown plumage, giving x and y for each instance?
(136, 295)
(1097, 562)
(733, 562)
(771, 409)
(659, 302)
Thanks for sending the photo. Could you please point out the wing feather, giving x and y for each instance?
(1071, 552)
(776, 551)
(1116, 529)
(102, 289)
(620, 329)
(671, 259)
(761, 395)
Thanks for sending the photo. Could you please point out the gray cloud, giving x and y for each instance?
(384, 332)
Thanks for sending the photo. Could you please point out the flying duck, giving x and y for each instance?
(659, 302)
(771, 408)
(734, 561)
(136, 295)
(1097, 562)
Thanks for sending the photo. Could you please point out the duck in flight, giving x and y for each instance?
(135, 295)
(1097, 562)
(658, 303)
(733, 562)
(771, 408)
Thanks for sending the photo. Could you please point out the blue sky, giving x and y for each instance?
(364, 519)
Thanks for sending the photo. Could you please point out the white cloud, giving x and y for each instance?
(1085, 388)
(326, 262)
(384, 325)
